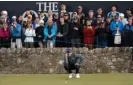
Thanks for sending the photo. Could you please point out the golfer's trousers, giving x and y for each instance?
(71, 67)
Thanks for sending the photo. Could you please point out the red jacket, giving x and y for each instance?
(89, 35)
(4, 33)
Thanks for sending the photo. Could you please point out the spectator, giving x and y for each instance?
(14, 18)
(89, 32)
(128, 34)
(115, 26)
(6, 18)
(63, 9)
(91, 17)
(128, 12)
(4, 36)
(62, 32)
(66, 18)
(36, 24)
(113, 12)
(24, 27)
(50, 14)
(29, 19)
(80, 11)
(20, 20)
(2, 21)
(100, 12)
(83, 21)
(101, 32)
(43, 17)
(15, 29)
(28, 12)
(50, 34)
(29, 33)
(75, 33)
(55, 20)
(107, 26)
(39, 34)
(74, 15)
(124, 20)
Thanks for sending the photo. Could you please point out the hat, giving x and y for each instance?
(41, 21)
(68, 50)
(66, 14)
(4, 12)
(129, 9)
(14, 17)
(79, 7)
(99, 16)
(121, 14)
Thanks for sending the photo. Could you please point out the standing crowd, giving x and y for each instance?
(59, 30)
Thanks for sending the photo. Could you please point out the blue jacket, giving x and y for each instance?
(53, 32)
(113, 27)
(16, 31)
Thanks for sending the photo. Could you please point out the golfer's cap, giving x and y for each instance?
(68, 50)
(79, 7)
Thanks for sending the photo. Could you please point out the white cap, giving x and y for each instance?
(121, 14)
(4, 12)
(14, 17)
(41, 21)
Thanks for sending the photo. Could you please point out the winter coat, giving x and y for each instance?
(88, 35)
(16, 31)
(53, 33)
(113, 26)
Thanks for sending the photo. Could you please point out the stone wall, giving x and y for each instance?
(37, 60)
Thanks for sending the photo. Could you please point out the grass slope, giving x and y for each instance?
(60, 79)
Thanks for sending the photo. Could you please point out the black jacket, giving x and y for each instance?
(75, 33)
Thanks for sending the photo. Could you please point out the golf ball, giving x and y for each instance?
(65, 82)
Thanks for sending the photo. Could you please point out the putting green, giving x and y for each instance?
(60, 79)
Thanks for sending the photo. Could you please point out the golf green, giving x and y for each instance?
(61, 79)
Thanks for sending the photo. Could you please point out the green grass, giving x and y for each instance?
(59, 79)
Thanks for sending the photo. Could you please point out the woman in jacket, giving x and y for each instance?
(29, 33)
(50, 34)
(89, 32)
(4, 36)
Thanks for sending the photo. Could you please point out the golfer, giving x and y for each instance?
(72, 61)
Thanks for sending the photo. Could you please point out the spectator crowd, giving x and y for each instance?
(59, 30)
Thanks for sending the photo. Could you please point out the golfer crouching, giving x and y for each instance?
(72, 61)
